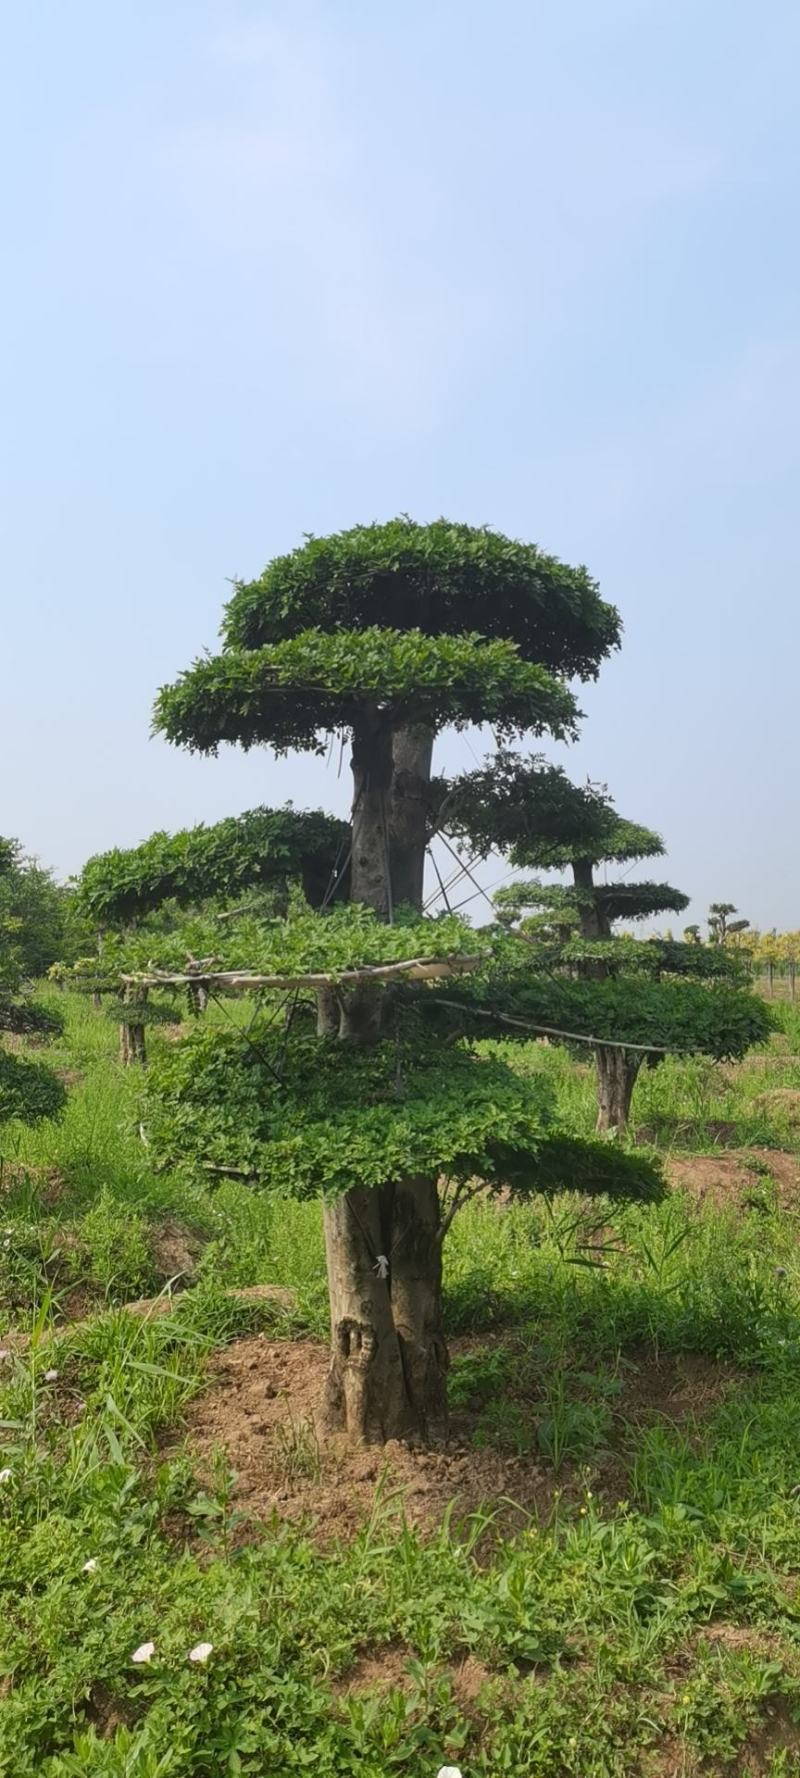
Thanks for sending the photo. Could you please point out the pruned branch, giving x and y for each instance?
(418, 969)
(612, 1043)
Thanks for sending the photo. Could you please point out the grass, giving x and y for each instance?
(652, 1630)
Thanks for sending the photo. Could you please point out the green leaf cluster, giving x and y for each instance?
(28, 1090)
(262, 846)
(439, 578)
(339, 1116)
(685, 1017)
(346, 937)
(612, 901)
(292, 694)
(530, 810)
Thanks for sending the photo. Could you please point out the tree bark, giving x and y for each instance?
(370, 878)
(412, 755)
(594, 923)
(328, 1012)
(388, 1372)
(132, 1044)
(617, 1070)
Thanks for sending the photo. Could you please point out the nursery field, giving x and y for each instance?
(599, 1575)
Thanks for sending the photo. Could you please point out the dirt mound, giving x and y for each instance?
(737, 1179)
(781, 1102)
(261, 1409)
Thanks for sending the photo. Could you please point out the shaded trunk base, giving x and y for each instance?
(132, 1045)
(616, 1078)
(388, 1374)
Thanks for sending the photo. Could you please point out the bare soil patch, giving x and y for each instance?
(261, 1408)
(732, 1179)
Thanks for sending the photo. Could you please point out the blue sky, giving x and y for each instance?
(280, 268)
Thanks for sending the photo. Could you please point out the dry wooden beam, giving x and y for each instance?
(418, 969)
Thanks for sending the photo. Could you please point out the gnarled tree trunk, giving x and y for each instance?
(388, 1373)
(616, 1078)
(388, 1368)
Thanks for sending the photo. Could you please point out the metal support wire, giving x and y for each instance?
(256, 1048)
(467, 870)
(442, 887)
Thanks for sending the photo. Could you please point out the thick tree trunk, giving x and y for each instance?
(370, 878)
(412, 754)
(328, 1012)
(388, 1355)
(594, 923)
(388, 1367)
(616, 1078)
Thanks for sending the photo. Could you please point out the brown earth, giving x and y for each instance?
(731, 1180)
(261, 1408)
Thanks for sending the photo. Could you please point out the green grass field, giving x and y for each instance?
(631, 1376)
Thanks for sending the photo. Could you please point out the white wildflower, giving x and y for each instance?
(5, 1475)
(143, 1653)
(448, 1772)
(51, 1376)
(90, 1566)
(201, 1651)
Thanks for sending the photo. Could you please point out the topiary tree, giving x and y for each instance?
(383, 635)
(632, 1001)
(720, 925)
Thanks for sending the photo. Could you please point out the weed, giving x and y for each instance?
(297, 1450)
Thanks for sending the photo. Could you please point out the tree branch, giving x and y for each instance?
(420, 969)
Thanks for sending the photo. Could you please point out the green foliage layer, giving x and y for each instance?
(263, 846)
(344, 938)
(686, 1017)
(292, 694)
(440, 578)
(338, 1116)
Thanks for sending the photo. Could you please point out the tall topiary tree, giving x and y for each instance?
(565, 970)
(721, 927)
(383, 635)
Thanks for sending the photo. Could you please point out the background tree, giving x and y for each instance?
(385, 635)
(35, 907)
(720, 926)
(564, 968)
(28, 1089)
